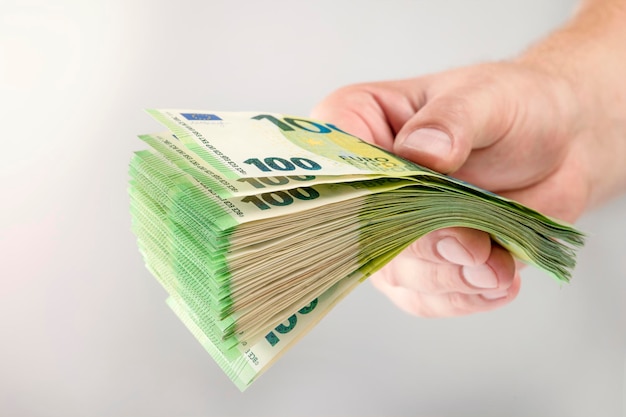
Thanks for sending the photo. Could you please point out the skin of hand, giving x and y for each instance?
(521, 129)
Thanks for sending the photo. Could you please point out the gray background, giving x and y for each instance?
(84, 327)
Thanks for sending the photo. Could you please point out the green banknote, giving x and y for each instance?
(258, 224)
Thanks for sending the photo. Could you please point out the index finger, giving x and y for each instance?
(373, 112)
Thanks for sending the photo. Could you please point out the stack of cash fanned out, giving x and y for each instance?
(258, 224)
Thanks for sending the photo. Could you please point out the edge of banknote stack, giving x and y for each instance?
(258, 224)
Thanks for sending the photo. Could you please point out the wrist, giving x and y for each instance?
(585, 60)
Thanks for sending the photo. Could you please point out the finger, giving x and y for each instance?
(410, 272)
(447, 304)
(542, 119)
(478, 123)
(374, 112)
(456, 245)
(355, 110)
(454, 121)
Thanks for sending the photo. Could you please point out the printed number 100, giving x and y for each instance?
(281, 198)
(282, 164)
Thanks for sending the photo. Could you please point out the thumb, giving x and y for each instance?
(444, 131)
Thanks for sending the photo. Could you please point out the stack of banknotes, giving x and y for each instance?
(258, 224)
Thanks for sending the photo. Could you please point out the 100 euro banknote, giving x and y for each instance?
(257, 224)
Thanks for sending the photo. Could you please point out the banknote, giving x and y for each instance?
(253, 145)
(172, 149)
(257, 224)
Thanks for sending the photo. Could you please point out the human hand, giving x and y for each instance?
(506, 127)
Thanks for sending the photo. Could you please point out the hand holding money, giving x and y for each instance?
(506, 127)
(258, 224)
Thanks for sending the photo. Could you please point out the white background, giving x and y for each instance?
(84, 330)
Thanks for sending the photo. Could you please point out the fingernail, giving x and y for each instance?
(494, 295)
(427, 141)
(452, 251)
(481, 276)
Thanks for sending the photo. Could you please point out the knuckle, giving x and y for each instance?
(415, 248)
(456, 107)
(458, 303)
(446, 279)
(435, 279)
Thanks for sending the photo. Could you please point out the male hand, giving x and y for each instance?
(505, 127)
